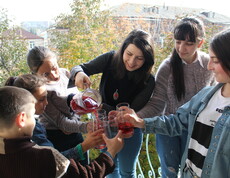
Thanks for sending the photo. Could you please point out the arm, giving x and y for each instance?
(92, 67)
(92, 139)
(173, 124)
(59, 114)
(158, 100)
(102, 165)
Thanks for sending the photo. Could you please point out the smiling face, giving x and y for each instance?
(133, 58)
(49, 69)
(219, 73)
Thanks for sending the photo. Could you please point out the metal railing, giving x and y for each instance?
(151, 172)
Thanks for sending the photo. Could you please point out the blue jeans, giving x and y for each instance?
(170, 151)
(126, 159)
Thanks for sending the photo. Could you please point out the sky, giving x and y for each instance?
(46, 10)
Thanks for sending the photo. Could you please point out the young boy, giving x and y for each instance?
(19, 157)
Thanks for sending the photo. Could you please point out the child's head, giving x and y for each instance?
(43, 62)
(17, 108)
(219, 51)
(189, 29)
(189, 35)
(35, 85)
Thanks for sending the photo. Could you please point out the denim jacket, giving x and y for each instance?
(217, 161)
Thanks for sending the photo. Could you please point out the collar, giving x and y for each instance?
(15, 145)
(198, 58)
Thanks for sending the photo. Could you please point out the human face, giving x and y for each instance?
(214, 65)
(187, 50)
(41, 97)
(30, 121)
(133, 58)
(49, 69)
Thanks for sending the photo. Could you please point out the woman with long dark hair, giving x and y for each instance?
(126, 77)
(178, 79)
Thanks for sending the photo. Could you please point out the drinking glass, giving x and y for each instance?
(100, 122)
(125, 127)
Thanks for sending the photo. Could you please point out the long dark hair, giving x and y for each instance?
(189, 29)
(144, 42)
(220, 45)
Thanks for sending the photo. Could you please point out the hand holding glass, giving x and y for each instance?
(125, 127)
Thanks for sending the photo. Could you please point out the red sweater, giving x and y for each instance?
(20, 158)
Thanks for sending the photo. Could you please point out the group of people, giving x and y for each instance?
(182, 105)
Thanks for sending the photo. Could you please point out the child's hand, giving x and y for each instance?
(115, 144)
(92, 139)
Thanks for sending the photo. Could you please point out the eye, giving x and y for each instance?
(45, 74)
(190, 43)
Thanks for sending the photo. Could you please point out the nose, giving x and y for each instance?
(53, 75)
(182, 47)
(45, 102)
(132, 61)
(209, 66)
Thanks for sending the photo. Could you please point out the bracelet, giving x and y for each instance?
(80, 152)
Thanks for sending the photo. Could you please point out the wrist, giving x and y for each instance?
(141, 123)
(80, 151)
(111, 153)
(84, 147)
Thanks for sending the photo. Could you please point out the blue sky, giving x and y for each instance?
(26, 10)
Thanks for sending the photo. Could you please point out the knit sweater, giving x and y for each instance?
(21, 158)
(164, 100)
(57, 114)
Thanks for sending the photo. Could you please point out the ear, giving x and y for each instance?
(21, 119)
(200, 43)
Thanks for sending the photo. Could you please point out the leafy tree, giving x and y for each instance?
(12, 49)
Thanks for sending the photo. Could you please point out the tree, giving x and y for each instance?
(12, 49)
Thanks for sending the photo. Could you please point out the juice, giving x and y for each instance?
(89, 103)
(125, 127)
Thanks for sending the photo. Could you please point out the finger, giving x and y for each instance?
(104, 137)
(119, 134)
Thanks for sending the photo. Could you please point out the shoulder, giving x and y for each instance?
(62, 163)
(165, 64)
(164, 67)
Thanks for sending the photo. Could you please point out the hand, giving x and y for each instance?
(115, 144)
(92, 139)
(131, 117)
(82, 80)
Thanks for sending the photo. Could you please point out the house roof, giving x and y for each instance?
(22, 33)
(27, 35)
(165, 12)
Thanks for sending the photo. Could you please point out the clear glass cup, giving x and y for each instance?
(125, 127)
(100, 121)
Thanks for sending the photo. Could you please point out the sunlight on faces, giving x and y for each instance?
(133, 58)
(187, 49)
(214, 65)
(49, 69)
(29, 120)
(41, 97)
